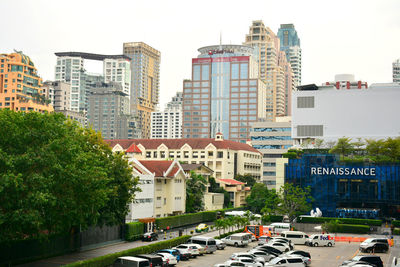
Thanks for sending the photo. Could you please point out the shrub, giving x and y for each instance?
(396, 223)
(272, 218)
(107, 260)
(341, 220)
(229, 233)
(396, 231)
(134, 231)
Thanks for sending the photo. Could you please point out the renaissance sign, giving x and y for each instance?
(343, 171)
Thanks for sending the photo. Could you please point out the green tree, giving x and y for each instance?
(343, 147)
(56, 176)
(195, 189)
(259, 194)
(294, 200)
(271, 203)
(215, 188)
(319, 143)
(247, 178)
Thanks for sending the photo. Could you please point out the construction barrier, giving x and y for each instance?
(349, 239)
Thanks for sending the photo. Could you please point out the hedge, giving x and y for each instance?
(108, 260)
(188, 219)
(229, 233)
(134, 231)
(396, 223)
(341, 220)
(353, 229)
(396, 231)
(272, 218)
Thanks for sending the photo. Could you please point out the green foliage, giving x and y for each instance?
(396, 223)
(229, 233)
(293, 154)
(134, 231)
(259, 194)
(293, 200)
(341, 220)
(396, 231)
(109, 259)
(195, 189)
(215, 188)
(272, 218)
(247, 178)
(186, 219)
(343, 147)
(334, 226)
(56, 176)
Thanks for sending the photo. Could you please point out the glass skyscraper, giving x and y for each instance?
(224, 94)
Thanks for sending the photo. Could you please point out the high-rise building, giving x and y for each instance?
(20, 84)
(224, 95)
(167, 124)
(273, 69)
(396, 71)
(290, 44)
(108, 111)
(118, 70)
(145, 82)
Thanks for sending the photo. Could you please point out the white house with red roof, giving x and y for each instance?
(238, 191)
(163, 185)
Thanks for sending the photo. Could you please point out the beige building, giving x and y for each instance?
(238, 191)
(280, 172)
(274, 69)
(163, 185)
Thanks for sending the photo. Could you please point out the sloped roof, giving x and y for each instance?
(133, 149)
(195, 143)
(230, 181)
(191, 167)
(159, 167)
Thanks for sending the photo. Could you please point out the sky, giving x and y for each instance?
(352, 36)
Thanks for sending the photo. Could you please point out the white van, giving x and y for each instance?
(280, 227)
(297, 238)
(321, 240)
(208, 243)
(236, 240)
(131, 262)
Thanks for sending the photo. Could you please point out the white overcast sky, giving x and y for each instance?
(359, 37)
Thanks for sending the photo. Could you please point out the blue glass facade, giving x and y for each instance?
(350, 190)
(287, 35)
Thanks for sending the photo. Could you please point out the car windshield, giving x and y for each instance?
(275, 260)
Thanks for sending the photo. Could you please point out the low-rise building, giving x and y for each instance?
(163, 185)
(238, 191)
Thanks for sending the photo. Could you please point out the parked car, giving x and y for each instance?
(208, 242)
(320, 240)
(236, 256)
(131, 262)
(296, 237)
(283, 239)
(286, 261)
(173, 252)
(251, 237)
(155, 260)
(306, 260)
(220, 244)
(300, 253)
(375, 245)
(168, 259)
(395, 262)
(246, 261)
(237, 240)
(202, 250)
(283, 247)
(366, 258)
(263, 239)
(193, 250)
(149, 236)
(202, 228)
(184, 252)
(359, 264)
(259, 253)
(269, 249)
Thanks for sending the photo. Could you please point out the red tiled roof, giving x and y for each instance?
(247, 188)
(195, 143)
(159, 167)
(133, 149)
(230, 181)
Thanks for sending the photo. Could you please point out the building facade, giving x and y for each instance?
(345, 189)
(118, 70)
(20, 85)
(396, 71)
(290, 44)
(237, 190)
(168, 123)
(345, 108)
(274, 69)
(224, 95)
(272, 139)
(163, 189)
(108, 111)
(58, 93)
(227, 158)
(145, 82)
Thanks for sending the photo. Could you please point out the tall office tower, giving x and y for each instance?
(145, 82)
(224, 94)
(273, 69)
(20, 84)
(396, 71)
(290, 44)
(118, 70)
(176, 102)
(108, 111)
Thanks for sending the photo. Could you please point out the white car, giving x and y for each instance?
(259, 253)
(168, 258)
(220, 244)
(202, 250)
(283, 247)
(188, 249)
(306, 260)
(244, 262)
(237, 256)
(263, 239)
(286, 261)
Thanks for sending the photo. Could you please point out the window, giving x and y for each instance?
(310, 130)
(305, 102)
(220, 154)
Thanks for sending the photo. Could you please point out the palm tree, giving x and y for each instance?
(219, 224)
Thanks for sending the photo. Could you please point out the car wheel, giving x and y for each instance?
(236, 244)
(315, 244)
(329, 244)
(286, 250)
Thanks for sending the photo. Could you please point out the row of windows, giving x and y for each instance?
(268, 138)
(186, 154)
(271, 146)
(272, 129)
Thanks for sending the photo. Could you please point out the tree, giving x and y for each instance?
(259, 194)
(215, 188)
(319, 143)
(195, 189)
(343, 147)
(294, 200)
(56, 176)
(247, 178)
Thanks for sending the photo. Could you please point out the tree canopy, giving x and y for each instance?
(247, 178)
(258, 197)
(215, 188)
(55, 176)
(195, 189)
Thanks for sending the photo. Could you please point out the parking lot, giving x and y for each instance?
(320, 256)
